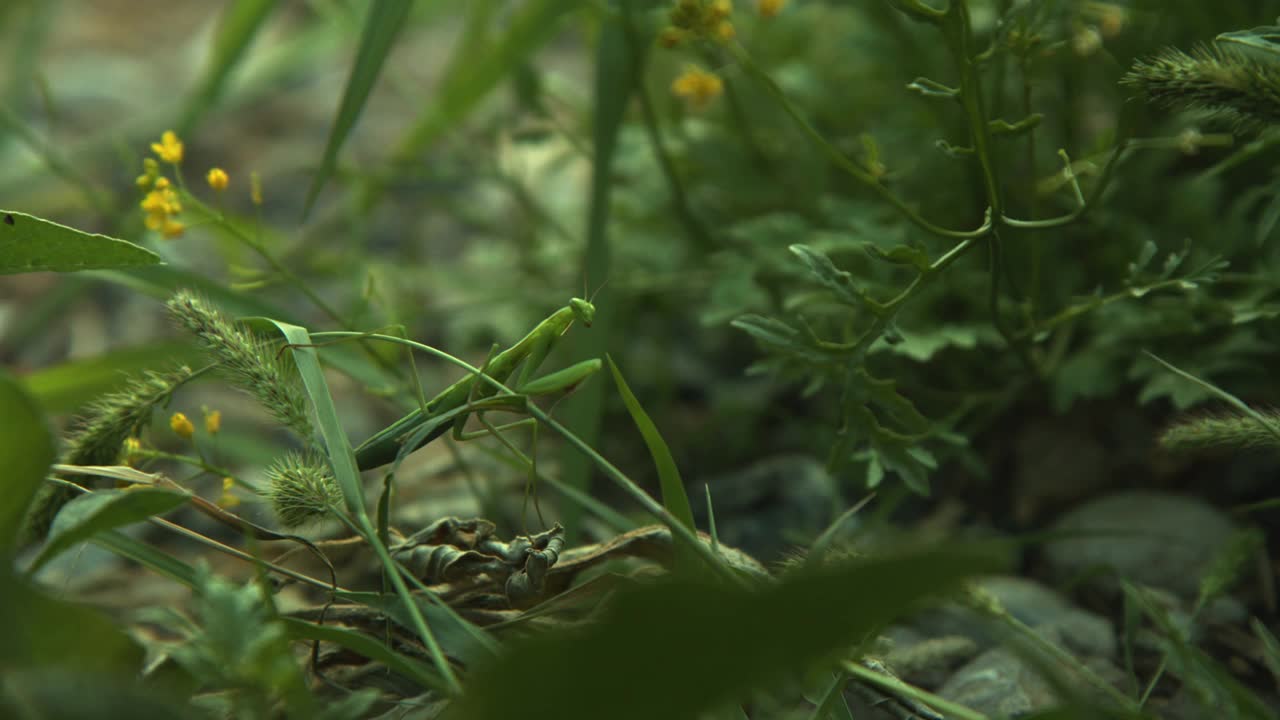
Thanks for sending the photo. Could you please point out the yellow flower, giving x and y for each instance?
(181, 425)
(172, 229)
(706, 19)
(212, 421)
(697, 87)
(150, 174)
(228, 499)
(218, 179)
(132, 449)
(169, 149)
(719, 10)
(770, 8)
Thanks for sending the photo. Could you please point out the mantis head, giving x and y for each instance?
(583, 310)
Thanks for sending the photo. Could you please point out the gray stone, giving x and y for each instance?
(1150, 538)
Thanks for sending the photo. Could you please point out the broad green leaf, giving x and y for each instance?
(32, 244)
(409, 667)
(382, 24)
(674, 497)
(64, 388)
(93, 513)
(47, 633)
(26, 451)
(676, 648)
(240, 21)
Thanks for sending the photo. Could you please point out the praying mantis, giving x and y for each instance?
(386, 445)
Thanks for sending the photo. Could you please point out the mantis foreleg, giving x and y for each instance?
(385, 446)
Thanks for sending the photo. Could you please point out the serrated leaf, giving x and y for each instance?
(32, 244)
(884, 393)
(92, 513)
(1140, 263)
(900, 255)
(1003, 128)
(825, 272)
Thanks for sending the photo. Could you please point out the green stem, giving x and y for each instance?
(843, 162)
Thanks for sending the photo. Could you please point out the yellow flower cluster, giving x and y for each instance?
(161, 201)
(697, 87)
(770, 8)
(699, 19)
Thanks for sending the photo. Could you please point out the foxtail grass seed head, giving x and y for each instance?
(302, 489)
(100, 435)
(1241, 88)
(1221, 431)
(250, 365)
(181, 426)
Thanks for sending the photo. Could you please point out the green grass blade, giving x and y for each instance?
(148, 557)
(382, 24)
(26, 452)
(474, 75)
(617, 70)
(240, 22)
(32, 244)
(674, 498)
(703, 644)
(342, 459)
(96, 512)
(368, 647)
(1221, 394)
